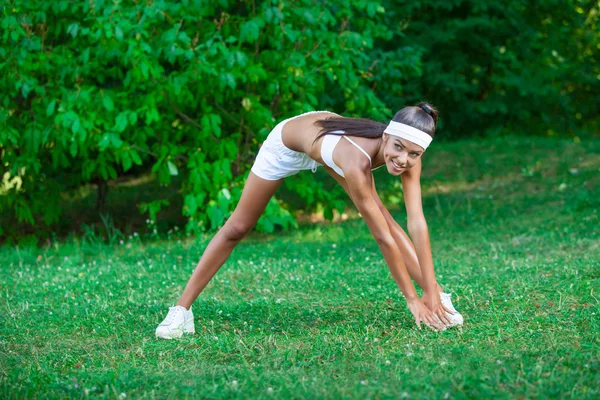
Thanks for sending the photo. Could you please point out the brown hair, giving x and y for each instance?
(423, 116)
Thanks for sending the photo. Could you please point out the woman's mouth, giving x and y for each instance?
(396, 165)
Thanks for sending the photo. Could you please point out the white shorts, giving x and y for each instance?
(275, 161)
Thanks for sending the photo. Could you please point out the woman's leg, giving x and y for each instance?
(255, 197)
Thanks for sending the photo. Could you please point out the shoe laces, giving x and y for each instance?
(171, 315)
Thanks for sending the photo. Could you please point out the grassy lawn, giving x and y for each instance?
(315, 313)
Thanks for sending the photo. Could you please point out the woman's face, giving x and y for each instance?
(400, 154)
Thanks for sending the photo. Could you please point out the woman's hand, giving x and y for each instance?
(423, 314)
(434, 303)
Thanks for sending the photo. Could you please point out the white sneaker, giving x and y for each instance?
(454, 316)
(177, 321)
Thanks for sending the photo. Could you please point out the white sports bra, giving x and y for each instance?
(328, 145)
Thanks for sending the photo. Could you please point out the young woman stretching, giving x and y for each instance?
(314, 139)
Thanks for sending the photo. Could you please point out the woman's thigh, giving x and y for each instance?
(255, 196)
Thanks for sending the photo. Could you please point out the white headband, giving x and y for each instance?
(409, 133)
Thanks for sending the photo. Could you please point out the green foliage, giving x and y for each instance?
(102, 91)
(95, 91)
(506, 66)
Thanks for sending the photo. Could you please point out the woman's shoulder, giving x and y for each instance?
(351, 157)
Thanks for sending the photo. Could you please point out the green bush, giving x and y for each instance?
(507, 66)
(97, 90)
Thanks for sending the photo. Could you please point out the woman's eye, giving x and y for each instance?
(415, 154)
(398, 147)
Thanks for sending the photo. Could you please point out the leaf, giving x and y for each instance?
(108, 140)
(108, 30)
(249, 32)
(190, 204)
(215, 215)
(172, 168)
(132, 118)
(229, 79)
(226, 169)
(170, 35)
(26, 89)
(76, 125)
(135, 157)
(116, 140)
(226, 193)
(118, 33)
(265, 224)
(73, 29)
(108, 103)
(215, 122)
(121, 122)
(102, 171)
(205, 122)
(73, 148)
(246, 103)
(85, 55)
(126, 161)
(112, 172)
(153, 207)
(144, 69)
(50, 108)
(224, 199)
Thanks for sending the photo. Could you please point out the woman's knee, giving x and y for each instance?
(235, 230)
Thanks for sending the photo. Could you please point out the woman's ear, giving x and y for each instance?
(385, 137)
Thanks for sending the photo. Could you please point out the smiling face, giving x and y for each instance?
(400, 154)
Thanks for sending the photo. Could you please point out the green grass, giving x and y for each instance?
(315, 313)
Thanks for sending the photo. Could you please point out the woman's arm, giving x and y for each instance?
(417, 225)
(410, 257)
(419, 233)
(403, 241)
(359, 189)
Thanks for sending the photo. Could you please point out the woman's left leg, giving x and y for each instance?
(256, 195)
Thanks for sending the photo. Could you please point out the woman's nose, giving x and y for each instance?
(402, 159)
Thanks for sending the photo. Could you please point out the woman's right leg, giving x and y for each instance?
(255, 197)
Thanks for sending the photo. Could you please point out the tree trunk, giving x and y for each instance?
(101, 199)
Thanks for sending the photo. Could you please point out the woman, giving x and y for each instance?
(311, 140)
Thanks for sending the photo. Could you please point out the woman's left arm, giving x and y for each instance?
(417, 225)
(419, 233)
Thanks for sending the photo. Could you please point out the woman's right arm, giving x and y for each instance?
(359, 188)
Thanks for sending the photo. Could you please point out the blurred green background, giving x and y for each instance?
(154, 110)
